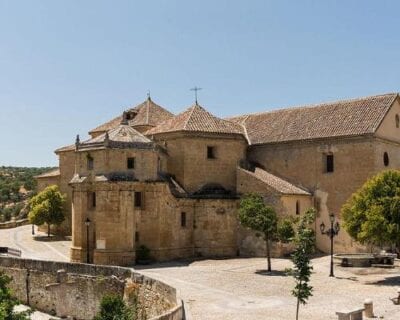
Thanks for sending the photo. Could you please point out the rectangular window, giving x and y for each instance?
(91, 200)
(137, 236)
(138, 200)
(90, 163)
(329, 163)
(210, 152)
(183, 219)
(130, 163)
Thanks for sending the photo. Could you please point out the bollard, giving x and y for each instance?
(368, 308)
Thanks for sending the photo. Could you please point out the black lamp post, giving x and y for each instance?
(331, 232)
(33, 229)
(87, 224)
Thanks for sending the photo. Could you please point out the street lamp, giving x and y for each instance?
(87, 224)
(331, 232)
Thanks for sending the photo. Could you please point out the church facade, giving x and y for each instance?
(173, 182)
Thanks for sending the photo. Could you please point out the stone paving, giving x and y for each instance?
(241, 289)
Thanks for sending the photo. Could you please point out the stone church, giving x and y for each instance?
(173, 182)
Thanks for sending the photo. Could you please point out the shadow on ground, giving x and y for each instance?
(52, 238)
(273, 273)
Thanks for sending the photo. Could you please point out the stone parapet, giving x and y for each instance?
(73, 289)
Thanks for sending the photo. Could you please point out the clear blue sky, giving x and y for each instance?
(67, 66)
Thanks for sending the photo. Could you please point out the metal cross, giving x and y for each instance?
(195, 89)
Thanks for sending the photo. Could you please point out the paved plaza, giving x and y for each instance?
(241, 289)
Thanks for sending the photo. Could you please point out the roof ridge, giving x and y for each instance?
(190, 115)
(314, 105)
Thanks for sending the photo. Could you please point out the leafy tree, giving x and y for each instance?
(372, 214)
(254, 214)
(47, 207)
(7, 302)
(305, 242)
(285, 230)
(113, 307)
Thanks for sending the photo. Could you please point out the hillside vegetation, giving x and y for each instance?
(17, 185)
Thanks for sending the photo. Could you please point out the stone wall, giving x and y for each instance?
(68, 289)
(188, 160)
(303, 163)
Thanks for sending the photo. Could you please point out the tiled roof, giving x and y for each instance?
(276, 183)
(122, 136)
(335, 119)
(197, 119)
(49, 174)
(65, 148)
(147, 113)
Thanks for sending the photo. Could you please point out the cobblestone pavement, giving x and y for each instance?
(241, 289)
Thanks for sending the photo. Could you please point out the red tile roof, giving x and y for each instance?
(197, 119)
(334, 119)
(276, 183)
(147, 113)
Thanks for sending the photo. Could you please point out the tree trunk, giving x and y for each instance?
(48, 230)
(268, 251)
(297, 309)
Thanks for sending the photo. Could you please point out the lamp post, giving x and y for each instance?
(331, 232)
(87, 224)
(33, 229)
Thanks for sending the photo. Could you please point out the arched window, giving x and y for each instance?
(397, 121)
(297, 207)
(386, 159)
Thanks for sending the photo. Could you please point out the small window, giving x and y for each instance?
(90, 162)
(386, 159)
(183, 219)
(210, 152)
(297, 207)
(130, 163)
(92, 200)
(138, 199)
(137, 236)
(397, 121)
(329, 163)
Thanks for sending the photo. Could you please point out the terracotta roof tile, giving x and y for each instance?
(147, 113)
(49, 174)
(334, 119)
(276, 183)
(197, 119)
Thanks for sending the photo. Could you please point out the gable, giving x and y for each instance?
(389, 128)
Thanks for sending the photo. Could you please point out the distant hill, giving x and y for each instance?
(17, 185)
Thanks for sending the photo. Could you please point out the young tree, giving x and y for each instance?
(254, 214)
(372, 214)
(47, 207)
(305, 242)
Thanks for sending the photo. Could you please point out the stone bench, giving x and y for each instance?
(356, 314)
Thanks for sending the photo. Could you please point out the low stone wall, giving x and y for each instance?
(73, 289)
(13, 223)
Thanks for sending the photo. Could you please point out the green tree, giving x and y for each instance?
(47, 207)
(113, 307)
(372, 214)
(7, 302)
(305, 242)
(285, 230)
(254, 214)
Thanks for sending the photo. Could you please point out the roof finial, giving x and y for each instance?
(77, 142)
(195, 89)
(148, 95)
(107, 139)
